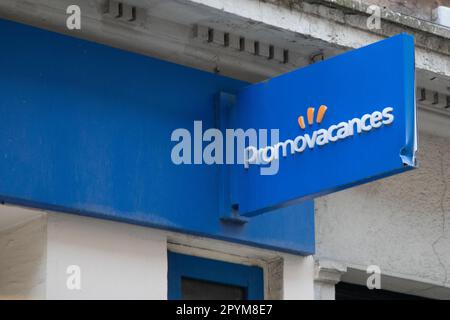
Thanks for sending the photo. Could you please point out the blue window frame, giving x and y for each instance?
(181, 266)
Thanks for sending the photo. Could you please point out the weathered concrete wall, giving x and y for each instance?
(421, 9)
(401, 223)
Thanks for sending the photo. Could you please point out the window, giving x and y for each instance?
(197, 278)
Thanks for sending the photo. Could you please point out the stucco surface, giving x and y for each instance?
(401, 223)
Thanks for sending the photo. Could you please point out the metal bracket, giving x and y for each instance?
(228, 200)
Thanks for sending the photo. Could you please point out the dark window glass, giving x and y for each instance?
(347, 291)
(192, 289)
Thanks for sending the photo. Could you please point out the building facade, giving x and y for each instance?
(92, 208)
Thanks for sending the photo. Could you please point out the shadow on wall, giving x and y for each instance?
(22, 254)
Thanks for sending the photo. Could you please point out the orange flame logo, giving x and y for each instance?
(310, 116)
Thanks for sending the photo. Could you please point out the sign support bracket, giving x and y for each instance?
(228, 201)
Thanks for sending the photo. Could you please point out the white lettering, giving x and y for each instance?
(322, 137)
(388, 117)
(364, 119)
(266, 153)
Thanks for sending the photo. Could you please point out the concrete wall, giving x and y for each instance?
(23, 259)
(120, 261)
(298, 278)
(417, 8)
(401, 223)
(117, 261)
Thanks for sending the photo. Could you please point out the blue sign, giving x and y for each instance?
(86, 129)
(332, 125)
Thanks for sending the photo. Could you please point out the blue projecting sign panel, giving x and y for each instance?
(341, 122)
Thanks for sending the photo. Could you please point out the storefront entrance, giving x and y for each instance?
(194, 278)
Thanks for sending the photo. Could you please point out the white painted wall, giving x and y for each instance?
(441, 15)
(298, 278)
(117, 261)
(401, 223)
